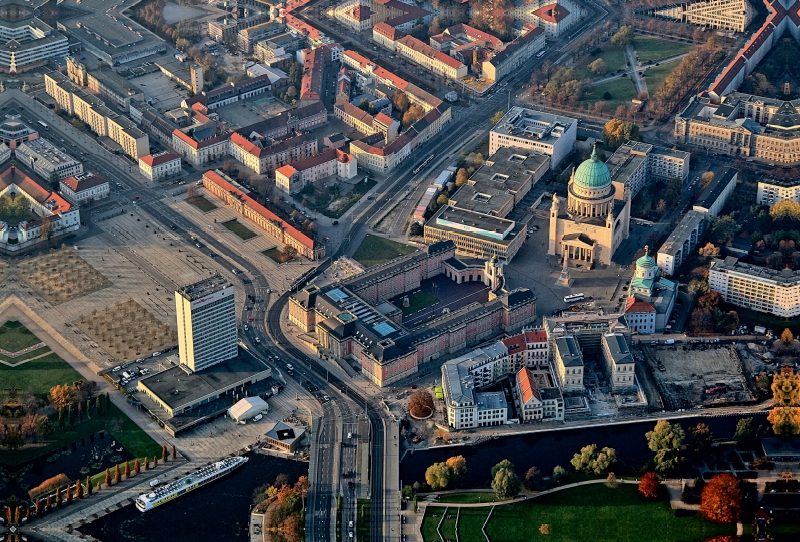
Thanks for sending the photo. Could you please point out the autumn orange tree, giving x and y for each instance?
(648, 485)
(421, 404)
(785, 417)
(61, 396)
(721, 500)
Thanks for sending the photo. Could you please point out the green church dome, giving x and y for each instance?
(592, 174)
(646, 262)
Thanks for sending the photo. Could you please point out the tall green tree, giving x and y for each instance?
(506, 484)
(438, 475)
(666, 441)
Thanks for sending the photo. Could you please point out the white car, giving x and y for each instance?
(156, 354)
(246, 328)
(258, 341)
(115, 369)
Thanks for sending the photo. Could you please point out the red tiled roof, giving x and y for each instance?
(527, 385)
(79, 185)
(634, 305)
(388, 31)
(537, 336)
(384, 119)
(302, 238)
(286, 171)
(151, 161)
(552, 13)
(413, 43)
(13, 175)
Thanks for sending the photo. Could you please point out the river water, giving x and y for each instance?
(547, 449)
(218, 511)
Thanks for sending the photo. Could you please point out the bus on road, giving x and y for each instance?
(573, 298)
(43, 125)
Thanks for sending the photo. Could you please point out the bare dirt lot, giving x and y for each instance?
(697, 376)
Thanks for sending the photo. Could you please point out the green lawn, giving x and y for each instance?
(375, 250)
(599, 514)
(363, 519)
(470, 522)
(130, 435)
(653, 48)
(38, 375)
(433, 514)
(621, 91)
(417, 302)
(273, 254)
(614, 58)
(15, 337)
(239, 229)
(32, 354)
(655, 76)
(449, 525)
(202, 203)
(467, 498)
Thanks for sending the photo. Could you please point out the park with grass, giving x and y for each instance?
(592, 512)
(375, 250)
(333, 199)
(620, 90)
(57, 425)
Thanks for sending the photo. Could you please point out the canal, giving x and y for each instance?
(218, 511)
(546, 449)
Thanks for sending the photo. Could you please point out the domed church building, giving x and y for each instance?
(594, 220)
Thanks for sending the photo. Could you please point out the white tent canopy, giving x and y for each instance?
(247, 408)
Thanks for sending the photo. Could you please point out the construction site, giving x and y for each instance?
(697, 375)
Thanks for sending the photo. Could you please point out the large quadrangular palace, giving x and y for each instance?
(595, 219)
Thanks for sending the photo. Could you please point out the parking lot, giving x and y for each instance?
(126, 374)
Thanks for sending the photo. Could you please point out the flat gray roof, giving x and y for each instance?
(712, 192)
(532, 124)
(472, 221)
(203, 288)
(569, 351)
(108, 28)
(177, 389)
(681, 233)
(491, 400)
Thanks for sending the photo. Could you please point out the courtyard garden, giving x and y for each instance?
(127, 330)
(416, 302)
(335, 198)
(375, 250)
(239, 229)
(61, 275)
(593, 512)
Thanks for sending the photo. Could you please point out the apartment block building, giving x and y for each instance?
(682, 242)
(638, 164)
(91, 110)
(772, 190)
(756, 288)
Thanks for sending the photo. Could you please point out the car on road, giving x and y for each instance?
(246, 328)
(156, 354)
(413, 386)
(115, 369)
(258, 340)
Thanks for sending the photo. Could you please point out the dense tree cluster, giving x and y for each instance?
(282, 504)
(617, 131)
(666, 440)
(684, 77)
(594, 461)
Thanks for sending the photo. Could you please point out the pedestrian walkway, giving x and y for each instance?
(60, 525)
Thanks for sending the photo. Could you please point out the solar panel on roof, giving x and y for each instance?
(383, 329)
(337, 295)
